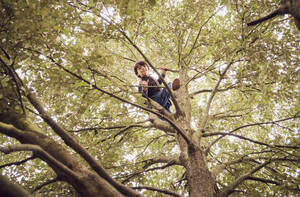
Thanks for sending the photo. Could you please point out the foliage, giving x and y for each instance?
(78, 57)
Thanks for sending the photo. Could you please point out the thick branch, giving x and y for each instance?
(10, 130)
(162, 125)
(79, 149)
(164, 191)
(39, 151)
(269, 16)
(12, 190)
(156, 160)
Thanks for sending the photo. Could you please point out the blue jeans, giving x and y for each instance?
(162, 97)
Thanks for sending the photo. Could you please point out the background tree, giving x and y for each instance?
(72, 122)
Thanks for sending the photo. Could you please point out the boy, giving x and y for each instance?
(158, 94)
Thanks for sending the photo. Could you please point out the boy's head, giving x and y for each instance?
(141, 69)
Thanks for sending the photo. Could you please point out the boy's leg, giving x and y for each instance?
(163, 99)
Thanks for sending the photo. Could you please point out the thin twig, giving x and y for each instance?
(45, 184)
(245, 126)
(18, 162)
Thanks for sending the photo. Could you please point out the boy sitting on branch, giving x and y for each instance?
(150, 88)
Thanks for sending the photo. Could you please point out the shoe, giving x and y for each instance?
(176, 84)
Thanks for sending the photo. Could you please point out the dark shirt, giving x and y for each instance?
(151, 91)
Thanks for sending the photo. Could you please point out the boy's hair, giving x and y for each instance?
(137, 64)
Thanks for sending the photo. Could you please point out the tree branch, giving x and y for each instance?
(263, 180)
(250, 140)
(221, 167)
(5, 53)
(228, 190)
(39, 151)
(79, 149)
(45, 184)
(197, 134)
(171, 163)
(212, 95)
(12, 190)
(162, 125)
(111, 128)
(10, 130)
(210, 90)
(208, 69)
(245, 126)
(198, 35)
(18, 162)
(156, 160)
(164, 191)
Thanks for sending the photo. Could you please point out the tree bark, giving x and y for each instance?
(12, 190)
(86, 182)
(200, 181)
(198, 175)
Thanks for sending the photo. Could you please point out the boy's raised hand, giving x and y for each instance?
(163, 70)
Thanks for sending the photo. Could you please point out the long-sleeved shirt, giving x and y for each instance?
(152, 90)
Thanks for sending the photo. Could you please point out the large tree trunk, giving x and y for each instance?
(199, 178)
(198, 175)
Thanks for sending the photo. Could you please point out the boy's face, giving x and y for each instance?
(142, 71)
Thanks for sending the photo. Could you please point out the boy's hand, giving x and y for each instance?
(144, 83)
(163, 70)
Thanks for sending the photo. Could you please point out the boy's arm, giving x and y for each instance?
(163, 74)
(142, 88)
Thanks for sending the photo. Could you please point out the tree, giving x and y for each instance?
(72, 122)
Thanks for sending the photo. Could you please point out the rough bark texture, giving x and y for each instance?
(201, 183)
(12, 190)
(86, 182)
(198, 175)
